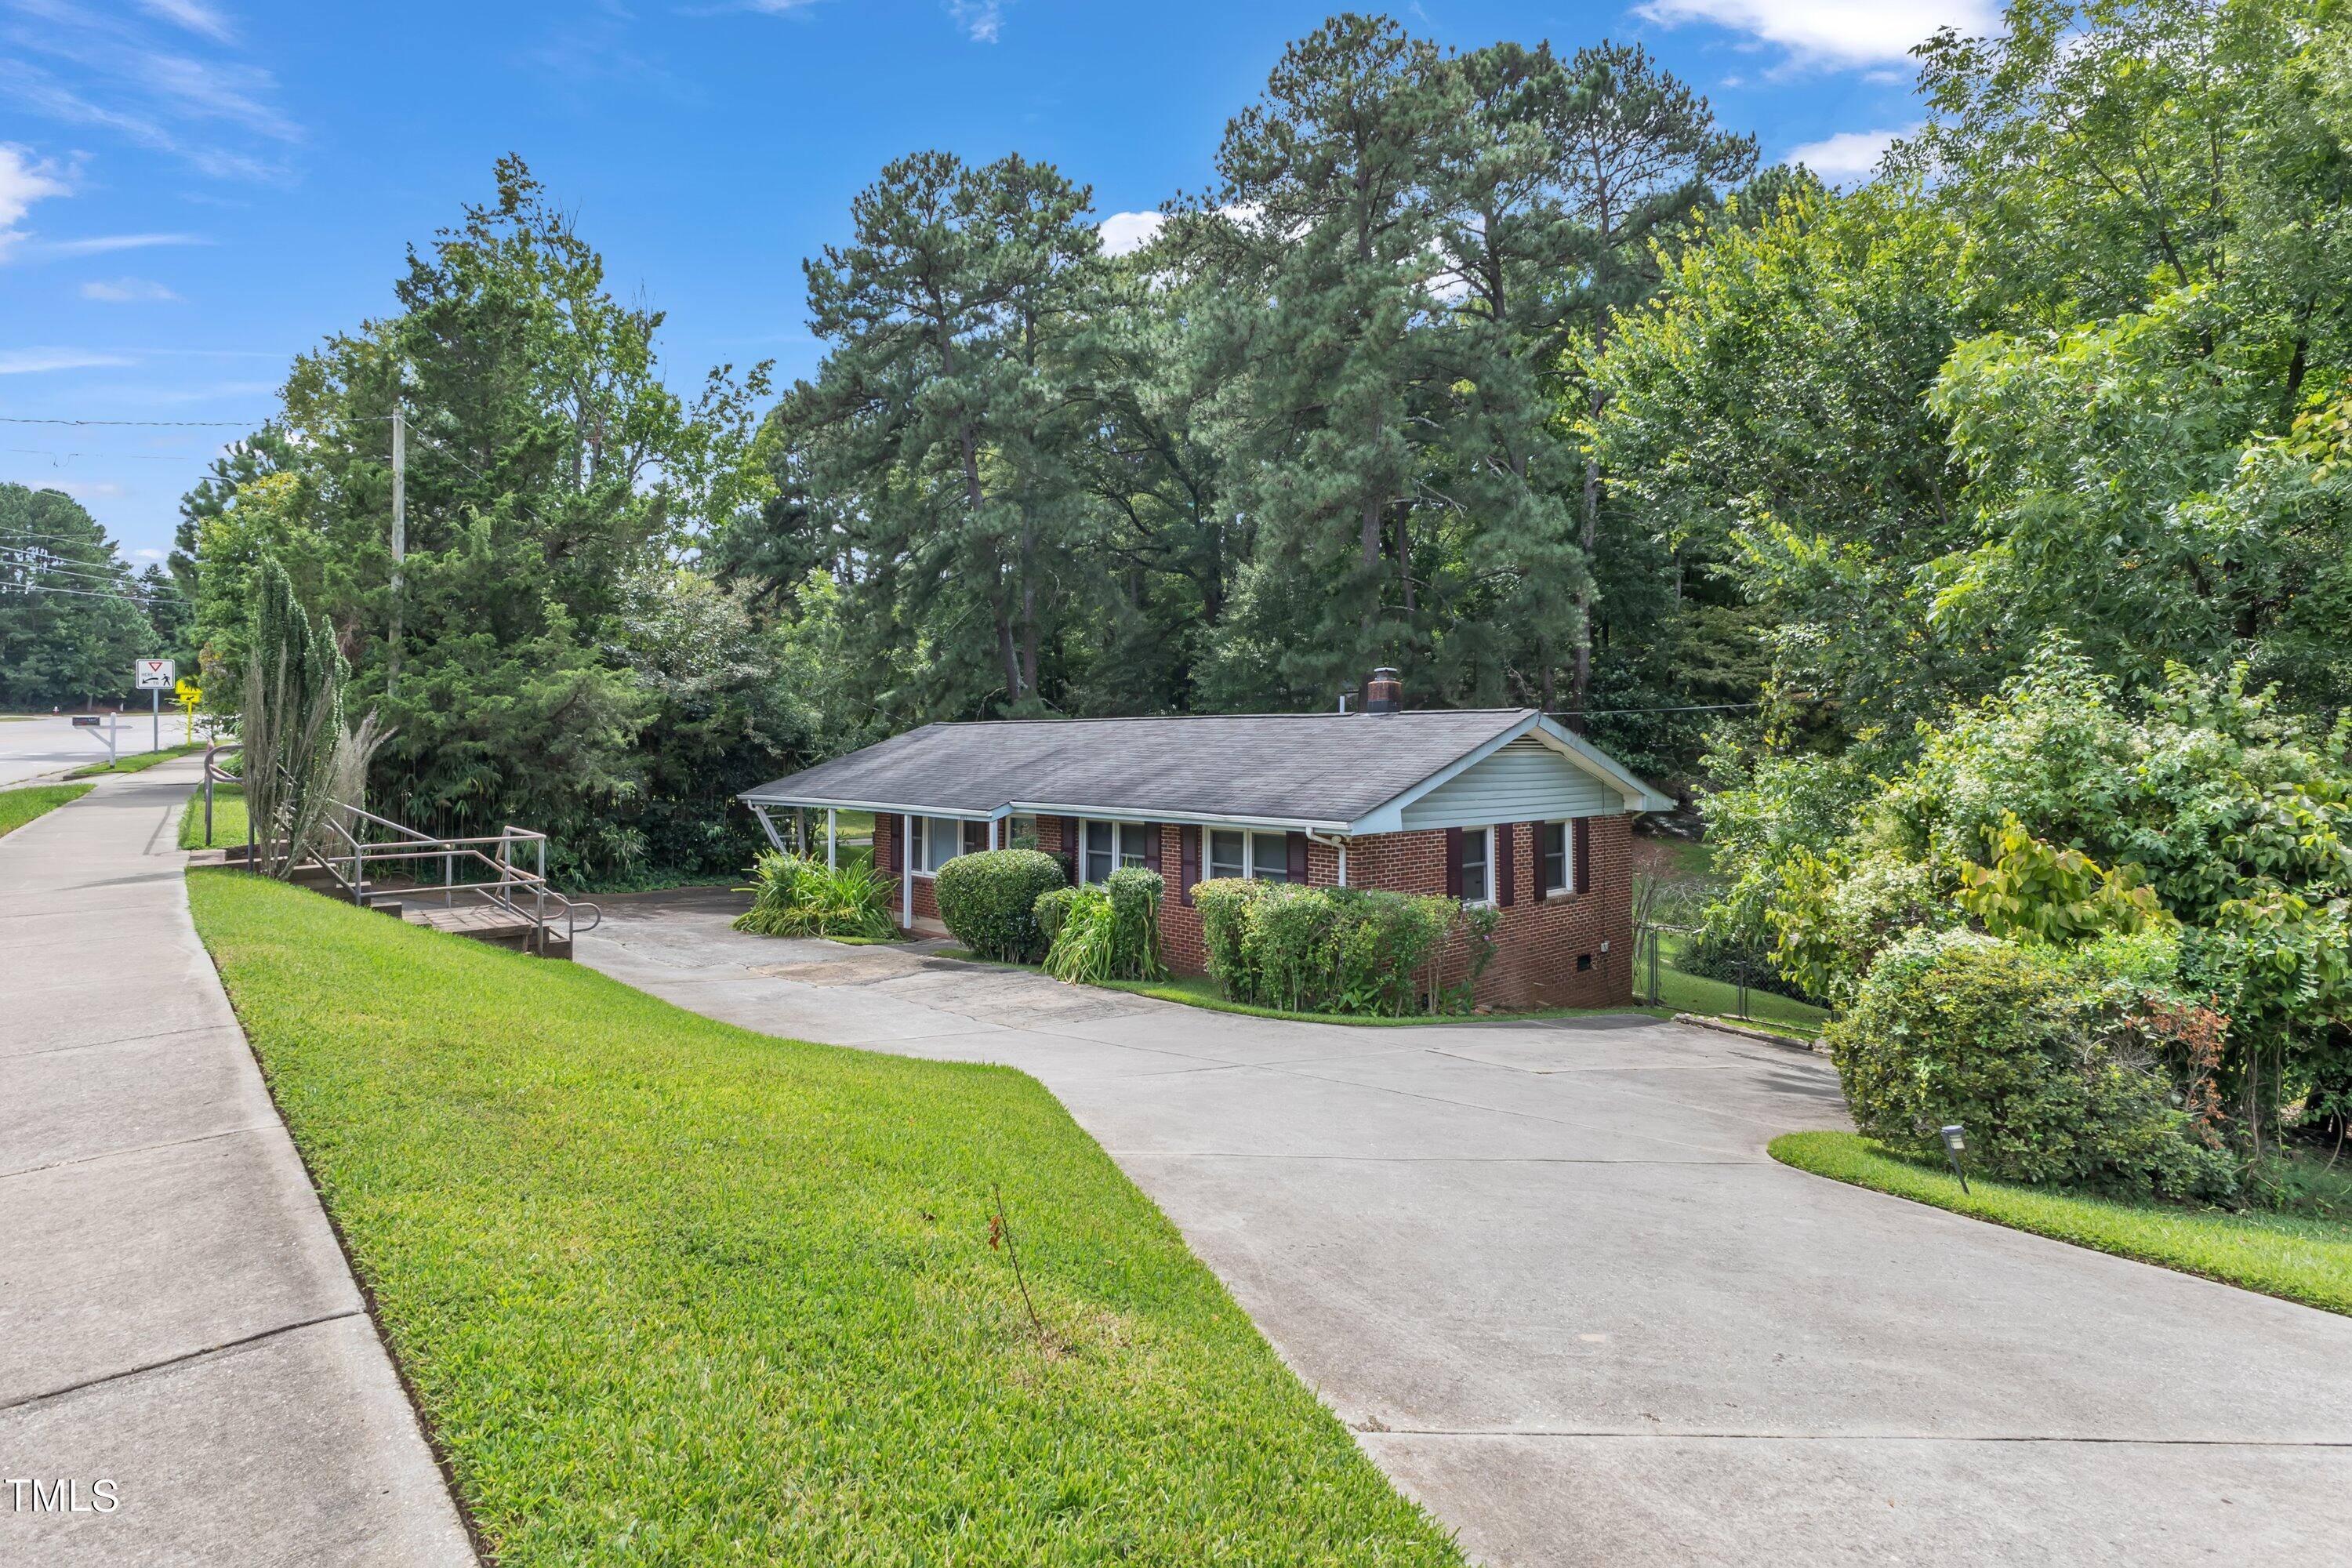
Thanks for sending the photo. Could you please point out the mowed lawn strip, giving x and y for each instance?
(673, 1291)
(19, 806)
(138, 764)
(229, 818)
(2301, 1258)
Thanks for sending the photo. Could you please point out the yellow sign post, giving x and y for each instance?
(189, 694)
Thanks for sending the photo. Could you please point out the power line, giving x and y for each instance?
(140, 424)
(85, 592)
(183, 424)
(110, 457)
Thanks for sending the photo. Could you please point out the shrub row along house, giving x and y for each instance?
(1497, 806)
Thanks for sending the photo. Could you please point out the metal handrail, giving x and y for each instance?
(347, 862)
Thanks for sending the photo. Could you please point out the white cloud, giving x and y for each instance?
(24, 179)
(102, 244)
(1835, 32)
(1124, 234)
(32, 361)
(150, 554)
(126, 291)
(980, 19)
(155, 76)
(188, 14)
(1848, 155)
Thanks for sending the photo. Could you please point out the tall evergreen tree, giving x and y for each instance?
(940, 436)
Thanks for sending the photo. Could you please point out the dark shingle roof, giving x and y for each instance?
(1285, 767)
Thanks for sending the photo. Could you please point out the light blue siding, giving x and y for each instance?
(1526, 781)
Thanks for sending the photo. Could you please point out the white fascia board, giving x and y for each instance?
(1191, 818)
(962, 812)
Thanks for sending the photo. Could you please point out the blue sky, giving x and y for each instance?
(192, 191)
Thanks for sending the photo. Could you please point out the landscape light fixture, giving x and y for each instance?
(1955, 1143)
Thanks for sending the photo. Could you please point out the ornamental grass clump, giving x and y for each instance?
(795, 896)
(988, 901)
(1107, 933)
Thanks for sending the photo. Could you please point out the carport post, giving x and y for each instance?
(992, 833)
(907, 876)
(832, 837)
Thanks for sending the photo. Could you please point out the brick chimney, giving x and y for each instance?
(1384, 693)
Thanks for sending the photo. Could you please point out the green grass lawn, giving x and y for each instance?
(1720, 998)
(134, 764)
(2301, 1258)
(19, 806)
(229, 818)
(672, 1292)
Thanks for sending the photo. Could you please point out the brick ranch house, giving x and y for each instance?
(1494, 805)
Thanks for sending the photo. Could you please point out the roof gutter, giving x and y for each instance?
(1044, 808)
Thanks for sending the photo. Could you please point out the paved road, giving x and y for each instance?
(175, 1316)
(31, 747)
(1549, 1275)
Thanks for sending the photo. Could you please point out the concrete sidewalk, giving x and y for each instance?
(176, 1317)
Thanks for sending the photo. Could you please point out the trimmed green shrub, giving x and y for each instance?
(988, 901)
(1324, 950)
(2034, 1052)
(795, 896)
(1053, 912)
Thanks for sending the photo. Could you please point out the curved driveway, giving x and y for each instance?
(1547, 1274)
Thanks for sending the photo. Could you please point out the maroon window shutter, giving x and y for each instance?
(1188, 862)
(1582, 852)
(1152, 847)
(1298, 858)
(1506, 886)
(1453, 862)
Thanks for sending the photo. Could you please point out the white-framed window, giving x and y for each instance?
(1554, 855)
(1109, 845)
(937, 841)
(1477, 865)
(1236, 852)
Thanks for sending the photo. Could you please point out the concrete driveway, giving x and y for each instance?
(1549, 1275)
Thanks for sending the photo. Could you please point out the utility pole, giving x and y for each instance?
(399, 538)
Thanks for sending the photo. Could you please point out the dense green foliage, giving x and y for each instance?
(550, 658)
(74, 619)
(2088, 379)
(19, 806)
(669, 1291)
(988, 901)
(794, 895)
(2038, 1055)
(1325, 950)
(2060, 811)
(1096, 934)
(1313, 427)
(2306, 1259)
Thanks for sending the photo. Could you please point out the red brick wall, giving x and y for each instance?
(1536, 946)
